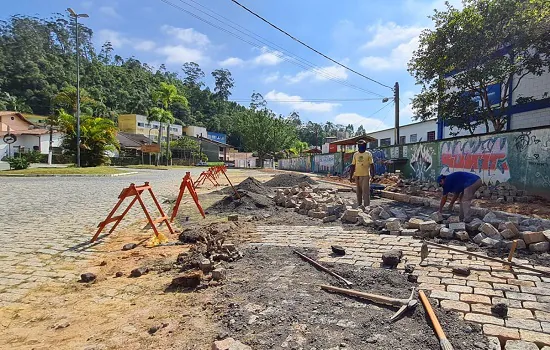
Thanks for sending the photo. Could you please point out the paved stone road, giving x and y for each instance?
(526, 294)
(46, 222)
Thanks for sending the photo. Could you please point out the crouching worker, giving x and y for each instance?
(461, 184)
(362, 167)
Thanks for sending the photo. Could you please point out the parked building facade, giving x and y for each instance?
(138, 124)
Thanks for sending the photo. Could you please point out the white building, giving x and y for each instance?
(28, 136)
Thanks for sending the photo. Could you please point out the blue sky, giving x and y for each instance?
(374, 37)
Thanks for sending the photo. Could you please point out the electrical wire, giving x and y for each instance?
(311, 100)
(278, 54)
(309, 47)
(272, 45)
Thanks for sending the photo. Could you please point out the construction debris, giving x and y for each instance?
(88, 277)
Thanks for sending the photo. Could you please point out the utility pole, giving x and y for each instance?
(76, 17)
(396, 101)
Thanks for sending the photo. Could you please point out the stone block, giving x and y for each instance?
(445, 232)
(206, 266)
(546, 234)
(398, 213)
(462, 235)
(415, 223)
(365, 219)
(392, 257)
(384, 214)
(457, 226)
(219, 274)
(474, 225)
(330, 218)
(502, 333)
(393, 224)
(453, 219)
(539, 247)
(541, 339)
(437, 217)
(490, 242)
(479, 237)
(520, 345)
(521, 244)
(488, 229)
(508, 234)
(490, 216)
(409, 232)
(429, 225)
(530, 237)
(229, 344)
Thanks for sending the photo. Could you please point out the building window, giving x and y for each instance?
(402, 140)
(373, 144)
(141, 124)
(431, 135)
(413, 138)
(385, 142)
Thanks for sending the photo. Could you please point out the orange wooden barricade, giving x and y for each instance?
(187, 182)
(206, 175)
(134, 191)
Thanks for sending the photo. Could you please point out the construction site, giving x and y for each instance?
(284, 260)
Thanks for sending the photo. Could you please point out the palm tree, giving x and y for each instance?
(67, 97)
(166, 95)
(162, 116)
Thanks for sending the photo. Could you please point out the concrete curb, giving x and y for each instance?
(69, 175)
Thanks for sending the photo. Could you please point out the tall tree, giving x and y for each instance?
(162, 116)
(192, 74)
(223, 83)
(360, 131)
(474, 59)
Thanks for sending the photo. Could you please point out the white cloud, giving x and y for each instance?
(320, 74)
(86, 5)
(232, 62)
(180, 54)
(117, 39)
(187, 35)
(370, 124)
(144, 45)
(267, 58)
(109, 11)
(272, 78)
(389, 33)
(297, 103)
(405, 108)
(397, 58)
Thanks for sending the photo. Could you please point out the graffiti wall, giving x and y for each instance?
(381, 159)
(296, 164)
(485, 157)
(327, 163)
(422, 157)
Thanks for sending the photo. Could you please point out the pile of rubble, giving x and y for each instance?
(491, 231)
(205, 263)
(501, 193)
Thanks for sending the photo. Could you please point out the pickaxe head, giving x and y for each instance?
(410, 305)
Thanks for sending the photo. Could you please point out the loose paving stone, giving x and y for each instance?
(520, 345)
(533, 325)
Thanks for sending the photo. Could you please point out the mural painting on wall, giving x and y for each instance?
(298, 164)
(421, 161)
(324, 163)
(485, 157)
(538, 155)
(346, 161)
(380, 161)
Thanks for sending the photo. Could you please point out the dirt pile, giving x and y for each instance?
(249, 185)
(289, 180)
(283, 309)
(248, 203)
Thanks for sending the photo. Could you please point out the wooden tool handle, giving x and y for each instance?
(372, 297)
(433, 317)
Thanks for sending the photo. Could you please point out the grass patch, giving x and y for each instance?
(101, 170)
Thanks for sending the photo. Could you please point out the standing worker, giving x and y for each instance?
(362, 166)
(461, 184)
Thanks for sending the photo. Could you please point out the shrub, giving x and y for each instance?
(18, 163)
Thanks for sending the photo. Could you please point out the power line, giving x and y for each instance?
(271, 44)
(311, 100)
(383, 107)
(278, 54)
(309, 47)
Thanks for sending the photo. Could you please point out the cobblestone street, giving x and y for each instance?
(526, 294)
(47, 222)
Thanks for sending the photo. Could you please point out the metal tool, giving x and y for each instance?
(404, 304)
(443, 341)
(321, 267)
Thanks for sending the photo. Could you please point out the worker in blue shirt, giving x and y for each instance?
(461, 184)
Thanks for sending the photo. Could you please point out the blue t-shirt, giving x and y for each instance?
(457, 182)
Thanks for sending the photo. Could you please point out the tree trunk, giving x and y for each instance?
(160, 144)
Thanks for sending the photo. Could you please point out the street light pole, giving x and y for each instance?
(76, 16)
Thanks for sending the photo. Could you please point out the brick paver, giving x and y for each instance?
(47, 221)
(526, 294)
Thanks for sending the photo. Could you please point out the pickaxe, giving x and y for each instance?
(404, 304)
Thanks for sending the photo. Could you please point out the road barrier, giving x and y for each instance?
(187, 183)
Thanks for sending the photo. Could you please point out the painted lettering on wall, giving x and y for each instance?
(421, 161)
(484, 157)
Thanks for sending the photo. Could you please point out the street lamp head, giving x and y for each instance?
(385, 99)
(71, 11)
(73, 14)
(83, 15)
